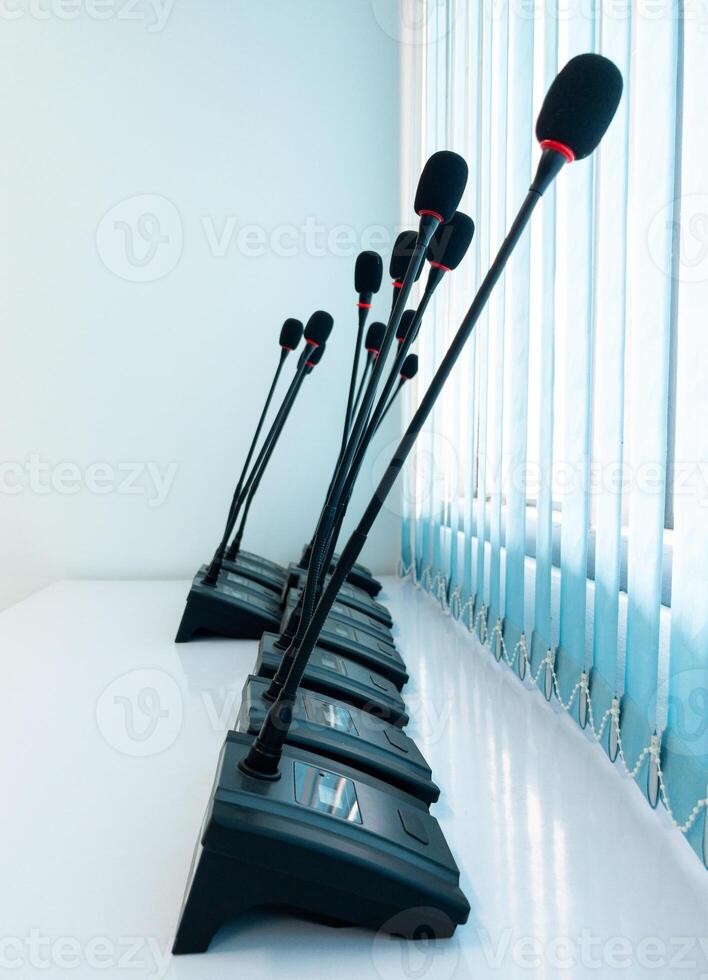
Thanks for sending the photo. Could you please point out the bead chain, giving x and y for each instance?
(438, 587)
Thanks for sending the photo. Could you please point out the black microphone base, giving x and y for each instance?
(240, 609)
(338, 677)
(345, 734)
(325, 842)
(224, 611)
(260, 574)
(362, 648)
(348, 617)
(359, 575)
(349, 595)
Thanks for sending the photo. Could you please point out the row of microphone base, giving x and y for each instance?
(345, 834)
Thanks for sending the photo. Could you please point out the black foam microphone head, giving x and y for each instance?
(374, 337)
(401, 255)
(441, 185)
(579, 106)
(318, 328)
(406, 320)
(314, 355)
(290, 334)
(450, 242)
(368, 272)
(409, 368)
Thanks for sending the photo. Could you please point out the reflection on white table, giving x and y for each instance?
(110, 737)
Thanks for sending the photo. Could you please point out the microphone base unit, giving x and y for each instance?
(275, 577)
(260, 574)
(359, 575)
(324, 841)
(237, 608)
(350, 617)
(349, 595)
(345, 734)
(226, 609)
(338, 677)
(383, 657)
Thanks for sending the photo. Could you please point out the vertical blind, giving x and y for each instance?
(558, 504)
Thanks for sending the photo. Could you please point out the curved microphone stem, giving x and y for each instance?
(336, 530)
(389, 404)
(434, 279)
(370, 361)
(363, 314)
(276, 377)
(212, 573)
(328, 517)
(264, 756)
(235, 546)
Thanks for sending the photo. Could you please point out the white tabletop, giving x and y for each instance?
(111, 737)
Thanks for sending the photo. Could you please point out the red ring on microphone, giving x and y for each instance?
(433, 214)
(559, 148)
(364, 306)
(437, 265)
(312, 343)
(285, 347)
(397, 284)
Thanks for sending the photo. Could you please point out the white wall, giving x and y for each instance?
(226, 114)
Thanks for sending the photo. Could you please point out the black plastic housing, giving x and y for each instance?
(351, 594)
(349, 735)
(386, 867)
(340, 678)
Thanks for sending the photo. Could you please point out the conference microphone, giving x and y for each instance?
(368, 273)
(317, 331)
(372, 345)
(313, 356)
(290, 336)
(575, 114)
(404, 325)
(446, 251)
(400, 260)
(440, 189)
(409, 370)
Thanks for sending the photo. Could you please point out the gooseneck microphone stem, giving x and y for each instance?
(212, 574)
(257, 476)
(389, 404)
(370, 361)
(434, 279)
(328, 517)
(363, 314)
(264, 756)
(276, 377)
